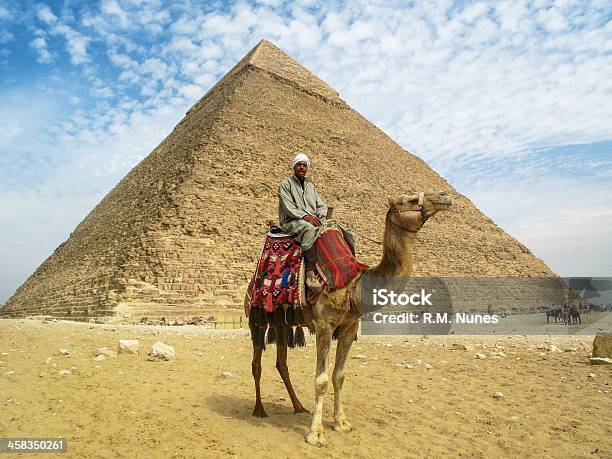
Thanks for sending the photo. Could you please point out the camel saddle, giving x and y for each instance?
(279, 276)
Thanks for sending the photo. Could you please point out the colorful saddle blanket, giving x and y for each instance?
(279, 277)
(336, 264)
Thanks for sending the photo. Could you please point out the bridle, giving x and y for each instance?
(417, 206)
(408, 207)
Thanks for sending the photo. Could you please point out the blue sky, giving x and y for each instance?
(510, 101)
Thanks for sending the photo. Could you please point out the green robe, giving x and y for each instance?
(294, 202)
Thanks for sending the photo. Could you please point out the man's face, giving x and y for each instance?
(300, 169)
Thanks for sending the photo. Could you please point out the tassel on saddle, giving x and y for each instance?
(300, 339)
(292, 340)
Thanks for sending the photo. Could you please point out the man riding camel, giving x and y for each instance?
(301, 213)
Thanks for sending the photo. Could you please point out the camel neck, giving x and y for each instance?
(397, 256)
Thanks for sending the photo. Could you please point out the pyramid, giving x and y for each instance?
(180, 234)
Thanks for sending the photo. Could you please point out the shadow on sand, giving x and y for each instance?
(280, 413)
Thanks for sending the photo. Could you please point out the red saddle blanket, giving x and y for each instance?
(336, 264)
(279, 276)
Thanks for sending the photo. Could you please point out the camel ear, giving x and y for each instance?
(391, 201)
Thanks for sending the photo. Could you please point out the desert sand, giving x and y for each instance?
(553, 404)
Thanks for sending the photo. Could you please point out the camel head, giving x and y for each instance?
(411, 212)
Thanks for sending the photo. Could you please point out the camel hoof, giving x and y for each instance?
(342, 425)
(259, 412)
(301, 409)
(316, 439)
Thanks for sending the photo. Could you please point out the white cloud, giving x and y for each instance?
(154, 28)
(104, 92)
(270, 2)
(192, 92)
(473, 11)
(6, 37)
(40, 45)
(182, 44)
(129, 75)
(155, 67)
(152, 17)
(185, 25)
(122, 60)
(149, 88)
(209, 51)
(552, 19)
(7, 19)
(46, 15)
(111, 7)
(4, 13)
(76, 43)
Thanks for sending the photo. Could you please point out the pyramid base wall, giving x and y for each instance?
(78, 300)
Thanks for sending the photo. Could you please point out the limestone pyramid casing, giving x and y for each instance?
(180, 234)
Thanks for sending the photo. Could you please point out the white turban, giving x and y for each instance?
(300, 157)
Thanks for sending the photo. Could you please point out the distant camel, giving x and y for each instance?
(565, 314)
(571, 315)
(555, 313)
(575, 315)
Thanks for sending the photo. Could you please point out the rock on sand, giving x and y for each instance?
(161, 351)
(128, 346)
(602, 346)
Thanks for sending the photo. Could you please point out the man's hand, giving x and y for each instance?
(312, 219)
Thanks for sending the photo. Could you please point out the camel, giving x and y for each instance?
(405, 217)
(571, 315)
(555, 313)
(575, 314)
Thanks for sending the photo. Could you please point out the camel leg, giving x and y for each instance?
(256, 368)
(315, 436)
(283, 369)
(345, 340)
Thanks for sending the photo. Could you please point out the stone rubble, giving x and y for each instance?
(105, 352)
(161, 351)
(128, 346)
